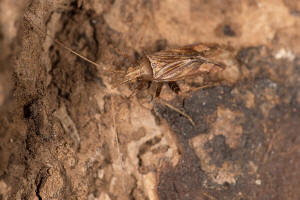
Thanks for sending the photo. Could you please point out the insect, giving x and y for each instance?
(168, 66)
(165, 67)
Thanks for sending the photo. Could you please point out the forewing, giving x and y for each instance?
(178, 64)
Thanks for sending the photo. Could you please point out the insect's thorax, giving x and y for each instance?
(145, 69)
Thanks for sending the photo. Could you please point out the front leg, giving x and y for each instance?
(138, 87)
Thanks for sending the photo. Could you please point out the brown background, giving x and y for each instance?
(57, 130)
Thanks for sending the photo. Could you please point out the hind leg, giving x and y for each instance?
(158, 89)
(174, 87)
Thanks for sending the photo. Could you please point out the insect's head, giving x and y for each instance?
(142, 71)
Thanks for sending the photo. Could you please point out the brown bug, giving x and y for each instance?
(169, 66)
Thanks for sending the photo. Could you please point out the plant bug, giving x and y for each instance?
(169, 66)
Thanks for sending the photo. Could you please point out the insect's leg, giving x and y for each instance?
(158, 89)
(174, 86)
(138, 87)
(149, 84)
(163, 102)
(203, 87)
(200, 88)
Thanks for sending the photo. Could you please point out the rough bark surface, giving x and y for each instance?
(60, 118)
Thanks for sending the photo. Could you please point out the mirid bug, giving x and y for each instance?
(169, 66)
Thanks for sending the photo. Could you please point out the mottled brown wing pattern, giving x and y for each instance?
(181, 63)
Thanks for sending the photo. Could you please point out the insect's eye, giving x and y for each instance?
(153, 65)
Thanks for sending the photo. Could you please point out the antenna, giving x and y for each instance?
(61, 44)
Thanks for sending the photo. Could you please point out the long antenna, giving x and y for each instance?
(61, 44)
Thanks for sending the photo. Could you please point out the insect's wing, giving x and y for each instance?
(178, 64)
